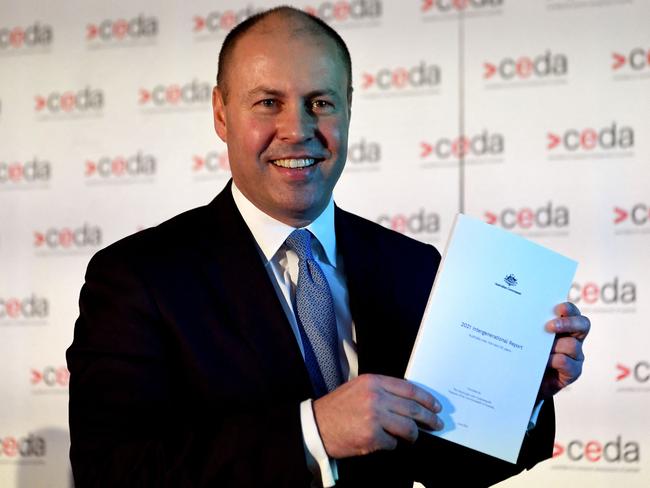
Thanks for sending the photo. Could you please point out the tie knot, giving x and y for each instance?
(299, 241)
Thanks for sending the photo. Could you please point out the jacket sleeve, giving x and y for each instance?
(487, 470)
(133, 422)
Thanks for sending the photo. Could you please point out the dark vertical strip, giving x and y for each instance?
(461, 111)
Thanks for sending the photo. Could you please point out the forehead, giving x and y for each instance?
(282, 51)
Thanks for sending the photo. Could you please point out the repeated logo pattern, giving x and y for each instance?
(106, 128)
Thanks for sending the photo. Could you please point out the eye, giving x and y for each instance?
(268, 103)
(322, 106)
(267, 106)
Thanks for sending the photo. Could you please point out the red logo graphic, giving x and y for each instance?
(481, 144)
(621, 215)
(22, 447)
(491, 218)
(121, 29)
(490, 70)
(32, 307)
(221, 21)
(640, 372)
(67, 238)
(527, 67)
(84, 100)
(526, 218)
(91, 31)
(136, 165)
(609, 137)
(347, 10)
(614, 451)
(421, 222)
(174, 94)
(637, 59)
(35, 35)
(624, 372)
(40, 102)
(444, 6)
(619, 60)
(199, 23)
(27, 172)
(422, 75)
(212, 162)
(553, 141)
(612, 292)
(639, 214)
(145, 95)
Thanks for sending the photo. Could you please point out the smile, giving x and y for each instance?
(295, 163)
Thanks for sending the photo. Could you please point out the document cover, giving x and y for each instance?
(482, 348)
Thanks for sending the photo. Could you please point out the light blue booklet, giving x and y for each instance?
(482, 348)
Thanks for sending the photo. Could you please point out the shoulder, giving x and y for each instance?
(176, 236)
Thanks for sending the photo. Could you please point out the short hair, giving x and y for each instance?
(241, 29)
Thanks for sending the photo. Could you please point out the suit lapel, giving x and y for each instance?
(236, 270)
(387, 295)
(367, 298)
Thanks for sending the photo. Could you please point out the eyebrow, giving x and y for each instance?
(266, 91)
(262, 90)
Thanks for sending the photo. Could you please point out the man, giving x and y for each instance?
(193, 362)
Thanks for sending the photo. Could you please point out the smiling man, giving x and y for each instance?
(283, 108)
(260, 340)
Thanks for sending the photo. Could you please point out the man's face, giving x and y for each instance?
(285, 120)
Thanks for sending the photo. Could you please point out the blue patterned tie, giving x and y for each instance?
(314, 308)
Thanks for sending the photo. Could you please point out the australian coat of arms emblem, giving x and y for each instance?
(510, 280)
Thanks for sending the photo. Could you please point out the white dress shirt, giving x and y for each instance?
(282, 266)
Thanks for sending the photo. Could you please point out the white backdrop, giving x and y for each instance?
(105, 128)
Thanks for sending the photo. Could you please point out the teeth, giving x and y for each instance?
(294, 163)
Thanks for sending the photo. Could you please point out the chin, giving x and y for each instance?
(302, 210)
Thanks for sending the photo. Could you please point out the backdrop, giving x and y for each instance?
(532, 115)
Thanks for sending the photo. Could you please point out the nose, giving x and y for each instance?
(296, 124)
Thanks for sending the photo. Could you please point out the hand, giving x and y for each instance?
(371, 412)
(566, 359)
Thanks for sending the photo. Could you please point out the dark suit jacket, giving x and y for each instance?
(185, 370)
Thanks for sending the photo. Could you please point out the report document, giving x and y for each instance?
(482, 349)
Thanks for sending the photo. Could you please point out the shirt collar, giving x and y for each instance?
(270, 233)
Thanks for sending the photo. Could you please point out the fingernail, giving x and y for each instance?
(557, 325)
(437, 407)
(439, 425)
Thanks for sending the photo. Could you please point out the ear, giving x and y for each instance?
(219, 114)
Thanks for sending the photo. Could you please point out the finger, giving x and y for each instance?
(384, 440)
(569, 346)
(413, 410)
(400, 426)
(566, 309)
(566, 366)
(576, 326)
(406, 389)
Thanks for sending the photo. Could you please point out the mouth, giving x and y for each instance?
(295, 163)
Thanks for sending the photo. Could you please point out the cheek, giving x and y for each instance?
(254, 135)
(335, 134)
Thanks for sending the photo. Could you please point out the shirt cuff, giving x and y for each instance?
(320, 465)
(533, 418)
